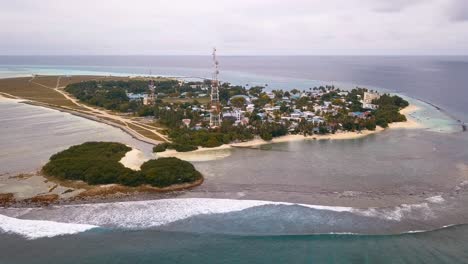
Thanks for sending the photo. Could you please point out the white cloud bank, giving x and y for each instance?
(235, 27)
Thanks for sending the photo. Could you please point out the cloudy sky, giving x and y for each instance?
(236, 27)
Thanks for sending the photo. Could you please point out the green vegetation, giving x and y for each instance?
(112, 94)
(178, 147)
(211, 137)
(257, 113)
(386, 113)
(167, 171)
(98, 163)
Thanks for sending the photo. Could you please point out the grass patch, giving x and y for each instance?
(145, 132)
(21, 87)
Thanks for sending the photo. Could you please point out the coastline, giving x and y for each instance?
(84, 115)
(119, 193)
(206, 154)
(197, 155)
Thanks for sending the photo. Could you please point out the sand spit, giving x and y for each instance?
(201, 154)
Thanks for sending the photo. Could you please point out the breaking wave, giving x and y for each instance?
(32, 229)
(213, 216)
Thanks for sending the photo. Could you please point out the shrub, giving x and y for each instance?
(163, 172)
(178, 147)
(182, 147)
(160, 147)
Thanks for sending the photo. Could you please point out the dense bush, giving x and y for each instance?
(160, 147)
(98, 163)
(395, 100)
(166, 171)
(95, 160)
(389, 114)
(178, 147)
(182, 147)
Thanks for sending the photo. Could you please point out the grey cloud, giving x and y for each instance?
(458, 10)
(392, 6)
(235, 27)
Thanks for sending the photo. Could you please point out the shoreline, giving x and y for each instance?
(411, 123)
(206, 154)
(86, 116)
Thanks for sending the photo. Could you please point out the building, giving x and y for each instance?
(271, 95)
(234, 115)
(369, 97)
(369, 106)
(137, 96)
(186, 122)
(250, 108)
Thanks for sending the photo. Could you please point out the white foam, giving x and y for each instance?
(146, 214)
(436, 199)
(155, 213)
(32, 229)
(397, 213)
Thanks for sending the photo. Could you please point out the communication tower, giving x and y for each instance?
(215, 115)
(151, 96)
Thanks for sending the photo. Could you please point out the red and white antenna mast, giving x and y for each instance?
(151, 95)
(215, 115)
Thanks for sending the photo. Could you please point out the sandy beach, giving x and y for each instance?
(411, 123)
(134, 159)
(201, 154)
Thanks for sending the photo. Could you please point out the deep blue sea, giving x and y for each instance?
(233, 231)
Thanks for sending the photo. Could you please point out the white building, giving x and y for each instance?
(137, 97)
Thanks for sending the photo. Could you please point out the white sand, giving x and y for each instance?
(289, 138)
(201, 154)
(134, 159)
(411, 123)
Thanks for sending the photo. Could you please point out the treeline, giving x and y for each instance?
(94, 93)
(386, 113)
(112, 95)
(212, 137)
(98, 163)
(389, 110)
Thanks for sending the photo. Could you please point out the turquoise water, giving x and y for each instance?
(441, 246)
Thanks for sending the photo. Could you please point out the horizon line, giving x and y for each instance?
(241, 55)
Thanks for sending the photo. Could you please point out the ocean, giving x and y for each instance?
(394, 197)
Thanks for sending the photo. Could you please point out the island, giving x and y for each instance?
(182, 110)
(99, 163)
(174, 116)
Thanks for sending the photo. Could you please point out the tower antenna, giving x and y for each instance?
(151, 95)
(215, 115)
